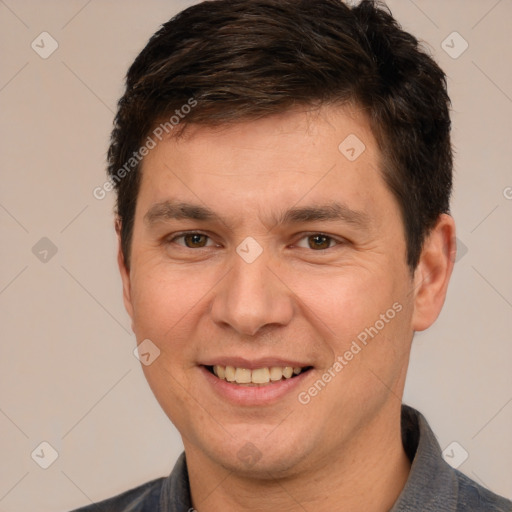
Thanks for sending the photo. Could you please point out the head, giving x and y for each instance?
(283, 200)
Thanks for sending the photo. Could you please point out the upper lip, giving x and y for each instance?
(251, 364)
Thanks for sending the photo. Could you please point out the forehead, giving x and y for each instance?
(323, 155)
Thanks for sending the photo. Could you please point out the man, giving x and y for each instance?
(283, 171)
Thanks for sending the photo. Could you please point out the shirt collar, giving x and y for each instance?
(432, 485)
(175, 495)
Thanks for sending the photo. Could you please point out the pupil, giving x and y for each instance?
(319, 242)
(196, 240)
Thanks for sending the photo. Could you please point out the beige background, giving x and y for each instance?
(67, 372)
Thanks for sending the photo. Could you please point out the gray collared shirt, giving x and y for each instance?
(432, 485)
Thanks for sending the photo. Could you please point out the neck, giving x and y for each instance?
(367, 475)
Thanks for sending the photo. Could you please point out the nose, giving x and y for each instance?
(251, 297)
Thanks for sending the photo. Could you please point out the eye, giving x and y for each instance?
(192, 240)
(317, 242)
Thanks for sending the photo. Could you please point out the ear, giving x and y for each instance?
(433, 273)
(124, 271)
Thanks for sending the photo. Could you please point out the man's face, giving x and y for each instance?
(262, 246)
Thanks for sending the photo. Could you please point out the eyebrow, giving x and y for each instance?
(169, 210)
(329, 212)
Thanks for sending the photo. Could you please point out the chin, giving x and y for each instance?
(263, 457)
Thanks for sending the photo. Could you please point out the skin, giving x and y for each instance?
(342, 450)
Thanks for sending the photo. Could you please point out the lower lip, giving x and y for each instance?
(253, 395)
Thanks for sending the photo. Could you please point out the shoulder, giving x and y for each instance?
(473, 497)
(434, 485)
(144, 498)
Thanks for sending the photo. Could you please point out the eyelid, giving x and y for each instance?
(335, 239)
(174, 236)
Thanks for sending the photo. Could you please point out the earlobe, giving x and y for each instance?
(433, 272)
(124, 271)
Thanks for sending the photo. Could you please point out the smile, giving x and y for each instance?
(257, 376)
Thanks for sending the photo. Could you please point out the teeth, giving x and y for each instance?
(242, 376)
(230, 374)
(287, 371)
(276, 373)
(256, 376)
(220, 371)
(260, 376)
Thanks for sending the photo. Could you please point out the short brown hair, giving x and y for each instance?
(246, 59)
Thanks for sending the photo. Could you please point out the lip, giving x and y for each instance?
(254, 396)
(265, 362)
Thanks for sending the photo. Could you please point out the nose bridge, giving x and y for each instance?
(251, 297)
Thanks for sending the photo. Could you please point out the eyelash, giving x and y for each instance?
(304, 236)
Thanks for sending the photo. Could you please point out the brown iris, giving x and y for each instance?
(319, 241)
(195, 240)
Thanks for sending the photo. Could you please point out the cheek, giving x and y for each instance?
(162, 294)
(167, 309)
(363, 316)
(344, 301)
(165, 301)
